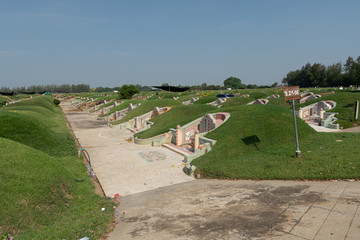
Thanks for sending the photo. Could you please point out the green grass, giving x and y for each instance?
(323, 157)
(207, 99)
(106, 105)
(3, 101)
(147, 106)
(181, 114)
(125, 104)
(41, 195)
(37, 123)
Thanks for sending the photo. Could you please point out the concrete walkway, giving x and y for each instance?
(123, 167)
(323, 129)
(215, 209)
(353, 129)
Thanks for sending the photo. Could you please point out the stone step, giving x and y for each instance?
(177, 149)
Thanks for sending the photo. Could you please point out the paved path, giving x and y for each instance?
(123, 168)
(160, 202)
(323, 129)
(353, 129)
(215, 209)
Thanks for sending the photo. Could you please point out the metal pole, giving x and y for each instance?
(298, 152)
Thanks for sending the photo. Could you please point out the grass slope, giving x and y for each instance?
(37, 123)
(147, 106)
(323, 157)
(181, 114)
(45, 190)
(3, 101)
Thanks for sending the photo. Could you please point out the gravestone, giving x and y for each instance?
(131, 107)
(207, 123)
(156, 111)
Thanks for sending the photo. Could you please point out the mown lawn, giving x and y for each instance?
(147, 106)
(180, 114)
(272, 156)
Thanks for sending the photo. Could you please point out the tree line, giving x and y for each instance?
(319, 75)
(64, 88)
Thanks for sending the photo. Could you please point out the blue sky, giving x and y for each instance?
(182, 42)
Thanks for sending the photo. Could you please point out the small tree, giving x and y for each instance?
(233, 82)
(127, 91)
(274, 85)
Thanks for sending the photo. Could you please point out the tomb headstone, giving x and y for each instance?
(131, 107)
(207, 123)
(156, 111)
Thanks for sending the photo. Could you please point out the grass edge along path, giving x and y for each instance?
(44, 194)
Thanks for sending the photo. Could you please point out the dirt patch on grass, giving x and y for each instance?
(88, 105)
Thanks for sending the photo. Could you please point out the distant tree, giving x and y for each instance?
(146, 88)
(203, 86)
(127, 91)
(351, 72)
(213, 87)
(274, 85)
(165, 85)
(80, 88)
(233, 82)
(318, 75)
(116, 89)
(252, 86)
(292, 78)
(309, 76)
(5, 89)
(138, 86)
(334, 75)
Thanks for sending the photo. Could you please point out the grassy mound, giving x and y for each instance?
(2, 101)
(147, 106)
(125, 104)
(39, 124)
(181, 114)
(45, 190)
(258, 142)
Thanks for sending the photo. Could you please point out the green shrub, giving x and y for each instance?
(56, 101)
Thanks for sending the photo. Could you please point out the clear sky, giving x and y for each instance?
(180, 42)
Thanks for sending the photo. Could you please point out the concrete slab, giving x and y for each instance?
(337, 223)
(214, 209)
(310, 223)
(354, 230)
(323, 129)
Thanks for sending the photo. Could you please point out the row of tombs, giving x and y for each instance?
(316, 114)
(188, 140)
